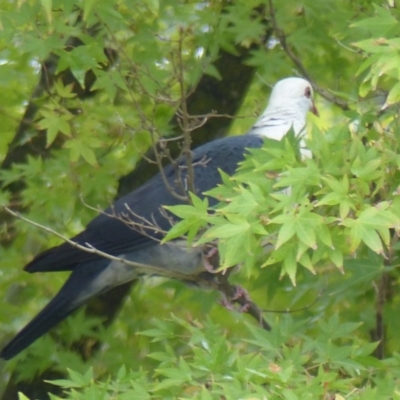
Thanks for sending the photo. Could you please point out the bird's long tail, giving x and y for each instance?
(76, 291)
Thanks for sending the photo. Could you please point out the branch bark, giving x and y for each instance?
(280, 34)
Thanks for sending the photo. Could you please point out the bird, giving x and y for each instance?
(123, 230)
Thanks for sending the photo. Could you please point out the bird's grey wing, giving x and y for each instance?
(109, 234)
(92, 275)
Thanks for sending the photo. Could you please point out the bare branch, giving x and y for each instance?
(280, 34)
(187, 140)
(236, 294)
(88, 248)
(207, 279)
(382, 292)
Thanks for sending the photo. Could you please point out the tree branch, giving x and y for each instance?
(280, 34)
(219, 280)
(88, 248)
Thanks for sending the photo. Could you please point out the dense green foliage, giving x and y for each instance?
(87, 87)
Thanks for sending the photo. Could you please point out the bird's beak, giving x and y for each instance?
(314, 110)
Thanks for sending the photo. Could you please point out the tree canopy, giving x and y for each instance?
(98, 95)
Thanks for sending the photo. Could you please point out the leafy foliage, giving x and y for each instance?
(327, 211)
(279, 365)
(317, 238)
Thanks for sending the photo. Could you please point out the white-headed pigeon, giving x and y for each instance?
(92, 274)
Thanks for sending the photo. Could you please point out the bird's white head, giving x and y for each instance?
(293, 92)
(290, 101)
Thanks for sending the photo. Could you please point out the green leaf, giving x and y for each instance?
(306, 234)
(362, 273)
(332, 199)
(198, 203)
(366, 171)
(290, 265)
(244, 203)
(64, 91)
(286, 232)
(88, 6)
(228, 230)
(324, 235)
(369, 237)
(54, 123)
(379, 24)
(336, 256)
(47, 5)
(186, 211)
(337, 186)
(394, 95)
(305, 261)
(212, 71)
(65, 383)
(361, 231)
(79, 148)
(301, 177)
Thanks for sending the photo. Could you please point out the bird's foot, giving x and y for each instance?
(240, 296)
(211, 259)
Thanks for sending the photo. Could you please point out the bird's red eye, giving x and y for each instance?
(308, 92)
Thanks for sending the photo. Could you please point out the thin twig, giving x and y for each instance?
(88, 248)
(147, 124)
(280, 34)
(379, 331)
(187, 141)
(307, 307)
(381, 288)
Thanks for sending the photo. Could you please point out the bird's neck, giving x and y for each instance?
(276, 121)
